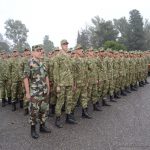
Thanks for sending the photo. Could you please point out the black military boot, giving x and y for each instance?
(123, 93)
(140, 84)
(9, 100)
(26, 111)
(73, 117)
(70, 119)
(116, 95)
(85, 113)
(52, 111)
(136, 86)
(132, 88)
(104, 103)
(44, 129)
(13, 106)
(58, 122)
(146, 82)
(127, 90)
(21, 103)
(96, 107)
(3, 102)
(112, 99)
(34, 134)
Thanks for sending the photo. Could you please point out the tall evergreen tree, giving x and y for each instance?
(136, 34)
(48, 44)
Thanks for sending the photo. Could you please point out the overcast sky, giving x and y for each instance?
(61, 19)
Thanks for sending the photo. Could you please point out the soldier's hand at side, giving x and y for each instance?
(58, 89)
(28, 96)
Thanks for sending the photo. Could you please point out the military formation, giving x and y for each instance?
(56, 83)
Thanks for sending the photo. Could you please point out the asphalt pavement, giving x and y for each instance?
(123, 126)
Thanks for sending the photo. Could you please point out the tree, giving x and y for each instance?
(136, 34)
(102, 31)
(4, 46)
(17, 32)
(147, 34)
(122, 26)
(22, 47)
(48, 44)
(114, 45)
(1, 37)
(83, 38)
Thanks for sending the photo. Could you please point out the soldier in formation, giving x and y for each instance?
(62, 80)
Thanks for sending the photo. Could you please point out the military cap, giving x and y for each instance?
(69, 51)
(101, 50)
(78, 46)
(73, 52)
(121, 51)
(26, 49)
(15, 50)
(3, 51)
(37, 47)
(64, 41)
(91, 49)
(56, 49)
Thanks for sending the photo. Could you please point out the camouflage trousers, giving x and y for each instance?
(100, 89)
(92, 91)
(123, 82)
(53, 95)
(117, 84)
(80, 95)
(127, 79)
(105, 88)
(64, 96)
(5, 88)
(111, 86)
(16, 91)
(38, 111)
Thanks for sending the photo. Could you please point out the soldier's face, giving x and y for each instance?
(15, 53)
(27, 53)
(42, 54)
(37, 54)
(64, 46)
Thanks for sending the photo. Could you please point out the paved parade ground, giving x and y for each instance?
(123, 126)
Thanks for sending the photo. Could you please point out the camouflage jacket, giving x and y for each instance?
(63, 71)
(36, 72)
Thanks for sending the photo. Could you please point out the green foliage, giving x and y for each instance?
(136, 34)
(114, 45)
(102, 31)
(4, 46)
(48, 45)
(83, 38)
(122, 26)
(147, 35)
(22, 47)
(17, 32)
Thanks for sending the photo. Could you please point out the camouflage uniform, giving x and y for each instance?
(16, 79)
(92, 80)
(80, 76)
(5, 79)
(36, 72)
(63, 78)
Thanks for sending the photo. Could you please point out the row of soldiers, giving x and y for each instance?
(76, 78)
